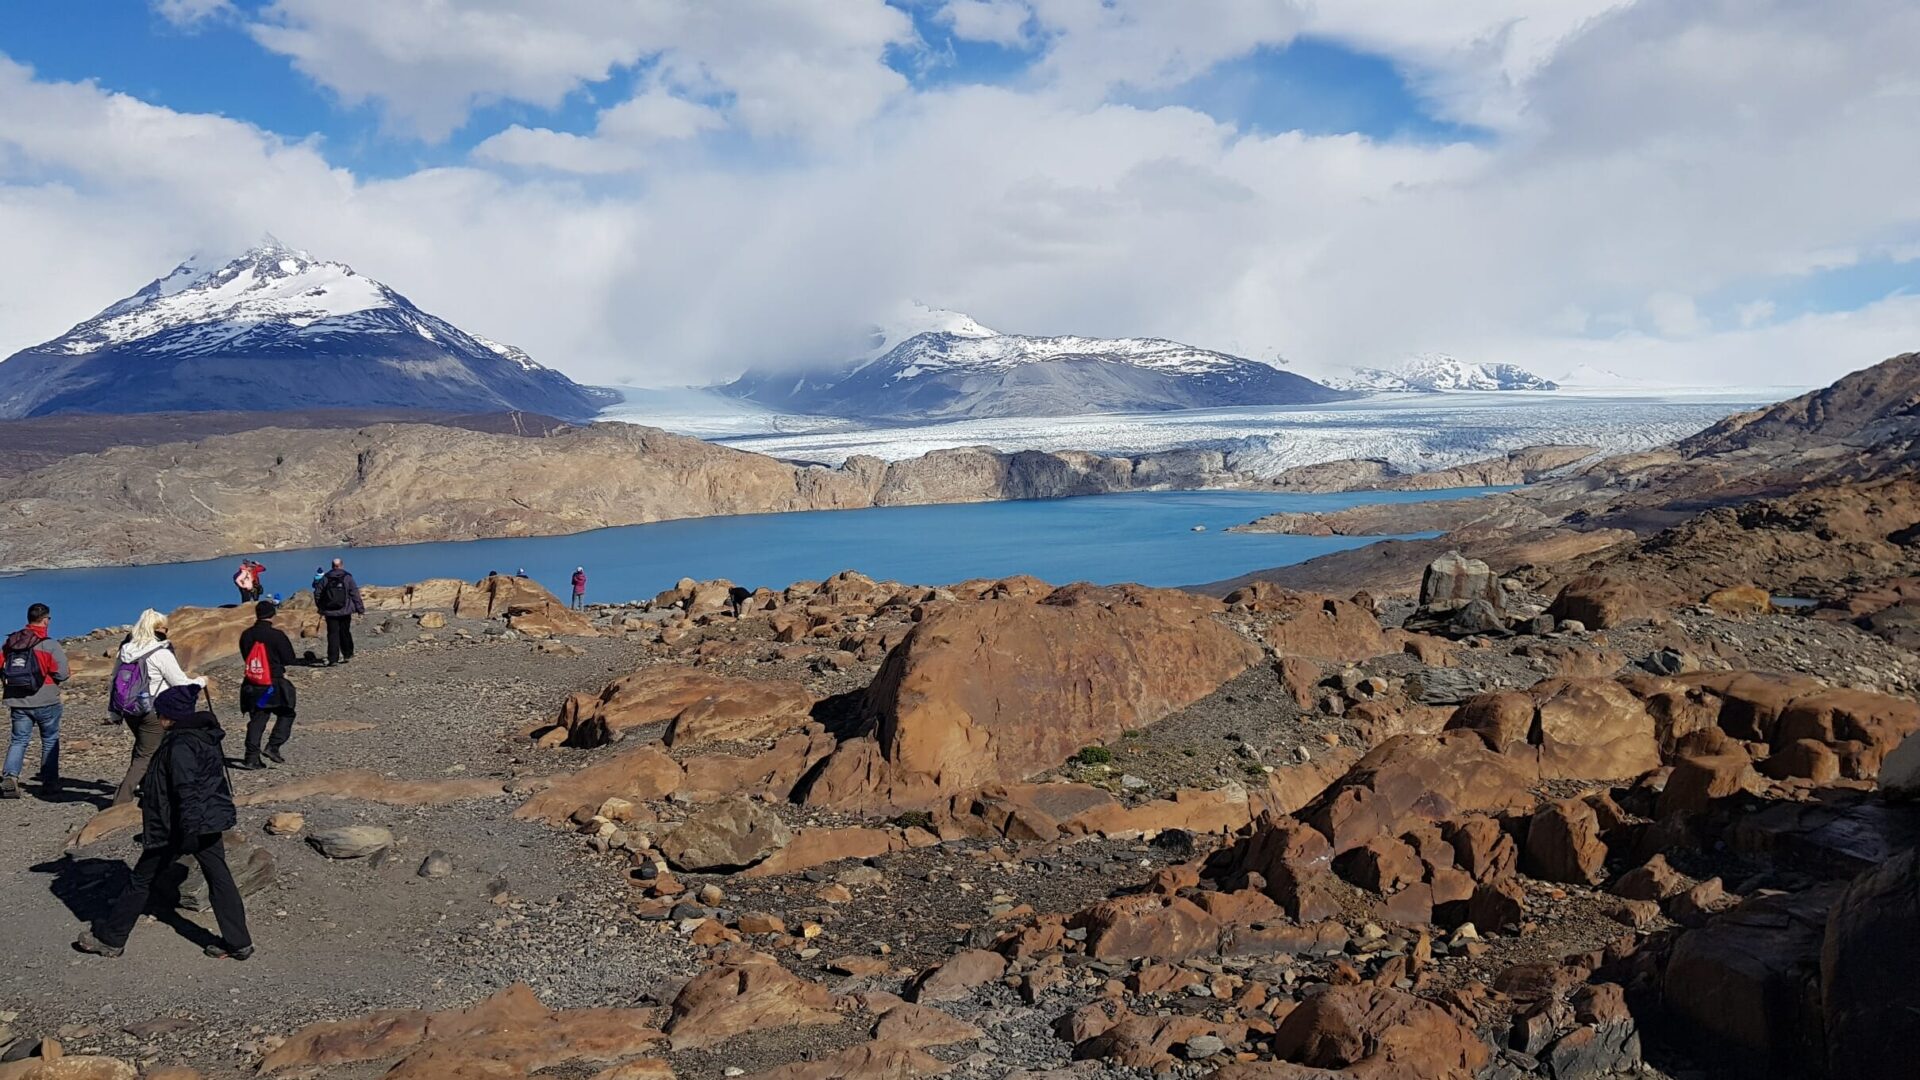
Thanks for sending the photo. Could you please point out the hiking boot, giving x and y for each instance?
(87, 943)
(274, 756)
(9, 787)
(219, 951)
(252, 764)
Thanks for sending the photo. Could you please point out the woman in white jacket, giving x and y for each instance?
(147, 644)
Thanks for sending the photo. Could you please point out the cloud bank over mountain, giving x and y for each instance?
(674, 191)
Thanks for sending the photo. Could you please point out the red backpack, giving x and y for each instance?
(259, 671)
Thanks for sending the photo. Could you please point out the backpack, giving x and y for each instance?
(128, 697)
(20, 670)
(332, 594)
(259, 670)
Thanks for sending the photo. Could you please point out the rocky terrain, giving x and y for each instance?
(1541, 821)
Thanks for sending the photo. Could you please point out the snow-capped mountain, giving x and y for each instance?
(1439, 373)
(944, 365)
(1589, 377)
(277, 329)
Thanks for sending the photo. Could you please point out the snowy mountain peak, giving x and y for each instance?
(913, 319)
(275, 327)
(1589, 377)
(951, 366)
(1440, 373)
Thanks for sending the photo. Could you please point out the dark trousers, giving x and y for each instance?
(208, 851)
(146, 740)
(339, 638)
(257, 726)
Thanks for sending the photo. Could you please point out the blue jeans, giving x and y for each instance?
(47, 719)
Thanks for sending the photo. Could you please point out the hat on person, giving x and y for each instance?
(266, 609)
(177, 702)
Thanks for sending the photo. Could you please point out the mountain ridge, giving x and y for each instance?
(961, 369)
(1437, 373)
(259, 332)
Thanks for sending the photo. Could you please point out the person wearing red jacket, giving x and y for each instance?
(35, 665)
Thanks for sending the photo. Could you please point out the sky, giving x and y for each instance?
(662, 192)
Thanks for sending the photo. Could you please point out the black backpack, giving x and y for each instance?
(332, 594)
(19, 667)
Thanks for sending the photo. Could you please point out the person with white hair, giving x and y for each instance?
(579, 588)
(146, 645)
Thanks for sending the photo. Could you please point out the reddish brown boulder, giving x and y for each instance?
(1162, 927)
(1699, 779)
(1141, 1042)
(1382, 865)
(1482, 848)
(1414, 780)
(1376, 1032)
(1575, 728)
(640, 774)
(699, 705)
(748, 993)
(1601, 603)
(1655, 880)
(1740, 600)
(993, 691)
(1563, 844)
(817, 847)
(956, 976)
(1321, 628)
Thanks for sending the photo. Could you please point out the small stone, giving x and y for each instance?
(1204, 1046)
(437, 864)
(351, 841)
(286, 823)
(711, 895)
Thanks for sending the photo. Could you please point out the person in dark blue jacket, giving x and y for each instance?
(186, 807)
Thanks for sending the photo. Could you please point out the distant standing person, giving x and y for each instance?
(259, 581)
(186, 807)
(146, 668)
(33, 666)
(338, 597)
(265, 693)
(243, 580)
(579, 587)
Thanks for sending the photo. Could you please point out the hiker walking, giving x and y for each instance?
(33, 666)
(265, 693)
(147, 668)
(579, 587)
(186, 806)
(338, 597)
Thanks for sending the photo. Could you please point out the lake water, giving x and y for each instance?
(1144, 537)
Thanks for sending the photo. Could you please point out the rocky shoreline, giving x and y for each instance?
(279, 488)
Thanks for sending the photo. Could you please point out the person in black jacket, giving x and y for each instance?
(337, 596)
(186, 805)
(270, 702)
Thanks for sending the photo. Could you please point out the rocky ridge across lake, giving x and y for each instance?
(401, 483)
(477, 477)
(1532, 822)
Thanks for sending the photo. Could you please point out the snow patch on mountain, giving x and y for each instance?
(1436, 373)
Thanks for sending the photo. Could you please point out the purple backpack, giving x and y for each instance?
(128, 697)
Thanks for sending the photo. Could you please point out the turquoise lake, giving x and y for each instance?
(1144, 537)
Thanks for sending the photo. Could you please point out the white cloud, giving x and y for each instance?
(1001, 22)
(790, 67)
(559, 150)
(1646, 155)
(193, 12)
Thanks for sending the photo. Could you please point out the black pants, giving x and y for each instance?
(209, 852)
(257, 726)
(279, 707)
(339, 638)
